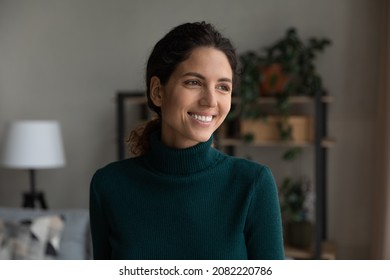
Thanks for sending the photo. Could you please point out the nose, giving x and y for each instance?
(208, 98)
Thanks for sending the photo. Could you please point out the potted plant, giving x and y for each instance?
(287, 67)
(298, 228)
(281, 70)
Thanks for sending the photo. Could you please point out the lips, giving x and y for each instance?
(202, 118)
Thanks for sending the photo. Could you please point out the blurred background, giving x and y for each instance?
(66, 60)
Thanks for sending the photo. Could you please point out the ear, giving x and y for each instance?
(156, 91)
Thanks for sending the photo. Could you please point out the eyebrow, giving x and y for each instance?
(200, 76)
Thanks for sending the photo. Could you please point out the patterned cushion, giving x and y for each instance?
(37, 238)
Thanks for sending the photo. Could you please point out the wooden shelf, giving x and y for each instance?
(292, 99)
(238, 142)
(326, 143)
(328, 252)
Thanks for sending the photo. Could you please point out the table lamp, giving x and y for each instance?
(33, 145)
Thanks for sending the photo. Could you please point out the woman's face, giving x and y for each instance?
(196, 99)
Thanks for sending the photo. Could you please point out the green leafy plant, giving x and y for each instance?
(298, 229)
(249, 86)
(281, 70)
(296, 72)
(293, 199)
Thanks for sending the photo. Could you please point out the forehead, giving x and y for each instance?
(207, 61)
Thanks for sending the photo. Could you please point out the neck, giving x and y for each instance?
(180, 161)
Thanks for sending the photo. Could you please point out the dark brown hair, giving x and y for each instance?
(174, 48)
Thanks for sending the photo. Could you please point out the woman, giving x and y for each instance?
(180, 198)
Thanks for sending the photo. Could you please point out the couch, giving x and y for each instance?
(66, 233)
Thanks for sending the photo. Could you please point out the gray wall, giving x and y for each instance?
(65, 60)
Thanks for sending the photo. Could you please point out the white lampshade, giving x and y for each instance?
(33, 145)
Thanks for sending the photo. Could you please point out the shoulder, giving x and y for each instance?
(245, 167)
(256, 176)
(114, 170)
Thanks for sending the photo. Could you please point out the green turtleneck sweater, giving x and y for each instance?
(194, 203)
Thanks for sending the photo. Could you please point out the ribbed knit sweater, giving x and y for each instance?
(194, 203)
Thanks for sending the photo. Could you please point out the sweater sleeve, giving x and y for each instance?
(99, 225)
(263, 228)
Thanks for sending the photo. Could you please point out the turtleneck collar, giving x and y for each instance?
(180, 161)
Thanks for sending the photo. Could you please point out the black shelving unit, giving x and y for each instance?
(320, 172)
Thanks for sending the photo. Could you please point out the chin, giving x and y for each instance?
(203, 137)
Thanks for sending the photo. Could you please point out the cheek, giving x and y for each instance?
(172, 105)
(225, 106)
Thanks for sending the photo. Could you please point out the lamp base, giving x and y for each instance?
(30, 199)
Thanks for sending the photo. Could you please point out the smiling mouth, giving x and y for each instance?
(204, 119)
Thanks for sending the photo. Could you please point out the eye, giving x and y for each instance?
(192, 83)
(224, 88)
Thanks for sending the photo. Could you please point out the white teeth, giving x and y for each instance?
(202, 118)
